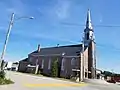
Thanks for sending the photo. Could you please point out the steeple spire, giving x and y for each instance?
(88, 22)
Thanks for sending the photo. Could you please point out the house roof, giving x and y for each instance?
(69, 50)
(24, 60)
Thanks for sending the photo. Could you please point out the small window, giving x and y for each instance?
(49, 64)
(36, 61)
(73, 61)
(63, 64)
(42, 66)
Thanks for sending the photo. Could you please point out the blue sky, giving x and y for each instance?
(48, 28)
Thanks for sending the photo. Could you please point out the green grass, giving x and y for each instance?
(4, 81)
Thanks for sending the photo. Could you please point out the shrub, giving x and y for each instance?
(39, 72)
(2, 74)
(54, 68)
(8, 81)
(5, 81)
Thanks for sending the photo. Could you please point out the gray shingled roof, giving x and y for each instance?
(25, 60)
(70, 50)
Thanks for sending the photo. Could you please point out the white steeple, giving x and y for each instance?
(88, 32)
(88, 22)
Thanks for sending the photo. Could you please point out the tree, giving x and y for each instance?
(2, 74)
(54, 68)
(2, 65)
(107, 73)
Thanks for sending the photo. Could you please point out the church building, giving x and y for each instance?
(73, 60)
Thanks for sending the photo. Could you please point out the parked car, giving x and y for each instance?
(111, 81)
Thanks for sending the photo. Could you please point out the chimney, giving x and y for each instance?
(57, 45)
(38, 48)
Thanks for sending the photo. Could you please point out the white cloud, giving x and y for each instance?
(10, 10)
(1, 44)
(44, 36)
(9, 57)
(17, 6)
(53, 38)
(62, 9)
(59, 10)
(101, 20)
(2, 28)
(18, 49)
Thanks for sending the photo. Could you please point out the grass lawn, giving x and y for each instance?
(5, 81)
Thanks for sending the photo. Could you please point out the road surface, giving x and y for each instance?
(30, 82)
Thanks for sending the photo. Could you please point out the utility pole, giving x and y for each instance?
(6, 40)
(7, 36)
(82, 63)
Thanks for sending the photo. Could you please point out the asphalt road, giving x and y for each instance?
(30, 82)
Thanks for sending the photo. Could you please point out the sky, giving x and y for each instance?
(59, 22)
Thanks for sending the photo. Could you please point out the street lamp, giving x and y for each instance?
(24, 17)
(8, 34)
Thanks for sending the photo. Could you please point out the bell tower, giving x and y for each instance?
(88, 31)
(89, 42)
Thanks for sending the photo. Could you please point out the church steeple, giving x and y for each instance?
(89, 44)
(88, 32)
(88, 22)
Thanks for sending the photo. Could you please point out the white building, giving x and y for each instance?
(12, 66)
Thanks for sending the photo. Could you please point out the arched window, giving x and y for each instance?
(42, 66)
(37, 61)
(30, 59)
(73, 61)
(87, 36)
(63, 64)
(49, 63)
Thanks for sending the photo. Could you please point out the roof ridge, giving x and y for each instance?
(60, 47)
(64, 46)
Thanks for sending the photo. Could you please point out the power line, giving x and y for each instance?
(106, 25)
(74, 24)
(99, 45)
(108, 48)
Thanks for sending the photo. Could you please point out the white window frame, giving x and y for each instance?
(73, 61)
(63, 64)
(49, 63)
(37, 61)
(42, 66)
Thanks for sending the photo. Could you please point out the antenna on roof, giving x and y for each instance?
(58, 45)
(38, 48)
